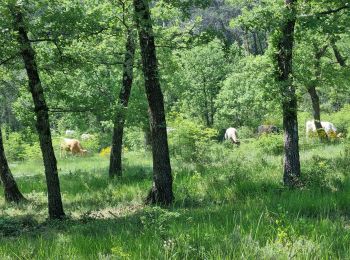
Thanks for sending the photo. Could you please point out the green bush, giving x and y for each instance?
(322, 173)
(134, 138)
(190, 141)
(271, 143)
(14, 147)
(245, 132)
(92, 144)
(22, 146)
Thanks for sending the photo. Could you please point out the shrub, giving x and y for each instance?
(134, 139)
(105, 152)
(245, 132)
(19, 146)
(322, 173)
(92, 144)
(190, 141)
(270, 143)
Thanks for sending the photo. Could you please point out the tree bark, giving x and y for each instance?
(12, 193)
(340, 59)
(315, 100)
(148, 136)
(161, 192)
(42, 117)
(115, 166)
(284, 59)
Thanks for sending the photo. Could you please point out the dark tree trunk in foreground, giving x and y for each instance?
(289, 99)
(12, 193)
(161, 192)
(148, 136)
(315, 100)
(42, 118)
(115, 166)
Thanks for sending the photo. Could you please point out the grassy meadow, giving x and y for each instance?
(233, 207)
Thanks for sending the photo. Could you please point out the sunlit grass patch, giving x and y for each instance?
(234, 208)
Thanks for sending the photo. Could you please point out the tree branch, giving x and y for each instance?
(70, 110)
(8, 59)
(332, 11)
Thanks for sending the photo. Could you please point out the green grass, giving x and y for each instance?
(232, 207)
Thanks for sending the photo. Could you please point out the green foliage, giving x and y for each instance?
(340, 119)
(92, 144)
(190, 141)
(20, 147)
(323, 173)
(270, 143)
(248, 94)
(158, 220)
(231, 209)
(134, 139)
(201, 71)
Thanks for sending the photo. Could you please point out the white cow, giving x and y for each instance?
(328, 127)
(231, 134)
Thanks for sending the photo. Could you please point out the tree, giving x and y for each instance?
(284, 59)
(161, 191)
(42, 117)
(12, 193)
(115, 167)
(202, 70)
(318, 52)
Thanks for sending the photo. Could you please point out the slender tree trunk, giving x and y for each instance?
(260, 44)
(42, 117)
(340, 59)
(246, 42)
(206, 106)
(315, 100)
(12, 193)
(115, 166)
(284, 59)
(255, 41)
(161, 192)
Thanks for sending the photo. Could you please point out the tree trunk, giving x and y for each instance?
(12, 193)
(315, 100)
(246, 42)
(284, 59)
(337, 54)
(255, 41)
(115, 167)
(161, 192)
(42, 117)
(148, 136)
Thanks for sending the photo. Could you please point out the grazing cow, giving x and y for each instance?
(70, 132)
(231, 134)
(73, 146)
(329, 128)
(85, 137)
(268, 129)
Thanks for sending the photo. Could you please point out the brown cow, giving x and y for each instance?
(73, 146)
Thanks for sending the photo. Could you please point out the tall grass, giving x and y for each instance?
(234, 207)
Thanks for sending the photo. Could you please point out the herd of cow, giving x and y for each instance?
(74, 146)
(231, 133)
